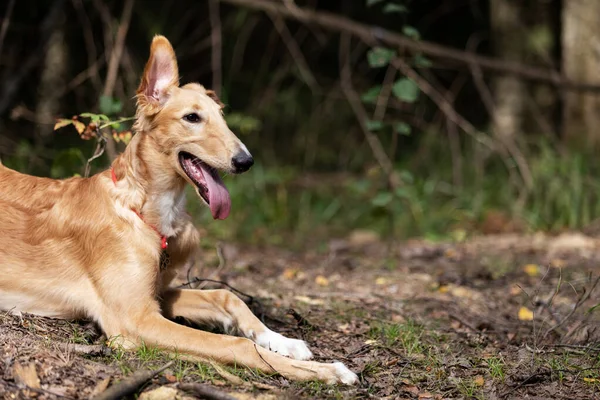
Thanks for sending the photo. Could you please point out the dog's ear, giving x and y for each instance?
(160, 74)
(213, 95)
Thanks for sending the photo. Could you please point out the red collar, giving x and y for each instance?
(163, 238)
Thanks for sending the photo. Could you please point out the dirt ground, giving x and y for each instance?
(494, 317)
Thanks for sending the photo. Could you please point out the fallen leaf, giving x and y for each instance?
(321, 281)
(532, 270)
(525, 314)
(26, 374)
(170, 378)
(161, 393)
(425, 396)
(479, 381)
(228, 376)
(558, 263)
(444, 289)
(515, 290)
(308, 300)
(381, 281)
(591, 380)
(100, 387)
(290, 273)
(360, 238)
(371, 341)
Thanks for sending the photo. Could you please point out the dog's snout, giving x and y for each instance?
(242, 162)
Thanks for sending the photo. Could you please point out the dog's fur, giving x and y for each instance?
(76, 248)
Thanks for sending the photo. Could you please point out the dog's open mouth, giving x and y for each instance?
(208, 184)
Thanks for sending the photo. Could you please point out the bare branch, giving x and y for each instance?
(6, 23)
(376, 35)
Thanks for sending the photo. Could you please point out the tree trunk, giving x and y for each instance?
(509, 44)
(581, 63)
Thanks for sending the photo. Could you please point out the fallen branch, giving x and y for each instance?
(86, 349)
(130, 385)
(205, 391)
(376, 34)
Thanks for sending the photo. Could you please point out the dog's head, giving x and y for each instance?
(188, 126)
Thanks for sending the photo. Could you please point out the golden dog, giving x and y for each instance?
(92, 247)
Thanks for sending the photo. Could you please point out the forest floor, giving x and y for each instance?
(493, 317)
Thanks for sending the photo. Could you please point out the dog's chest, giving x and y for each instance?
(170, 207)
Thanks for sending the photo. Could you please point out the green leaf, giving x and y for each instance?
(390, 8)
(95, 117)
(373, 2)
(373, 125)
(411, 32)
(382, 199)
(403, 128)
(110, 105)
(422, 62)
(61, 123)
(380, 57)
(406, 90)
(371, 95)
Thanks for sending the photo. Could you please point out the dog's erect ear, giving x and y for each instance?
(160, 74)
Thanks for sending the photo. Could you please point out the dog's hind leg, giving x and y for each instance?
(225, 309)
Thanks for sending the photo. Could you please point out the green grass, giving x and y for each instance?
(496, 367)
(407, 336)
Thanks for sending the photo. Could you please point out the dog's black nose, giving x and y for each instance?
(242, 162)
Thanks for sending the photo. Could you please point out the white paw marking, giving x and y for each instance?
(344, 374)
(293, 348)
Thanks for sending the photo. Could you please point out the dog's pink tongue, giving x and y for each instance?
(218, 195)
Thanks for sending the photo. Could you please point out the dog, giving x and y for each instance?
(107, 247)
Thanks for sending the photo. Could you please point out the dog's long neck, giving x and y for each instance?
(149, 183)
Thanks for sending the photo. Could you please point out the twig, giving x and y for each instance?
(583, 298)
(90, 45)
(205, 391)
(372, 34)
(361, 114)
(216, 44)
(131, 384)
(113, 65)
(37, 390)
(222, 263)
(87, 349)
(6, 23)
(239, 292)
(300, 320)
(295, 51)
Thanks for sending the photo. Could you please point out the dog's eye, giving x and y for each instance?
(193, 117)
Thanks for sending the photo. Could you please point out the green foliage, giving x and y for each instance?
(380, 57)
(406, 90)
(110, 106)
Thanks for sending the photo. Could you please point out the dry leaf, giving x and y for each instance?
(444, 289)
(100, 387)
(80, 126)
(290, 273)
(309, 301)
(425, 396)
(525, 314)
(381, 281)
(321, 281)
(591, 380)
(26, 375)
(479, 380)
(60, 123)
(161, 393)
(228, 376)
(532, 269)
(371, 341)
(515, 290)
(558, 263)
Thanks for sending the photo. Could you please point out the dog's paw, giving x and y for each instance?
(344, 375)
(293, 348)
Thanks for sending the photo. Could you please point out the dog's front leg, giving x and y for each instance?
(231, 313)
(154, 329)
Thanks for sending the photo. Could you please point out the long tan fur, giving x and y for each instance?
(76, 248)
